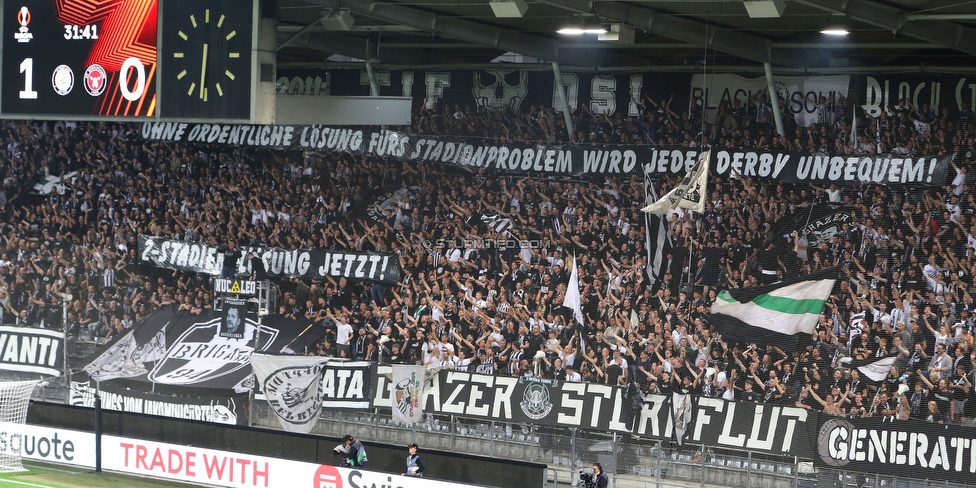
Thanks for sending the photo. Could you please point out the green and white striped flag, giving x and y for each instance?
(783, 314)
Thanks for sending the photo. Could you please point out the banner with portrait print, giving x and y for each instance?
(232, 319)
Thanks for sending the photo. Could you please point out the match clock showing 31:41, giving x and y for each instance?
(206, 60)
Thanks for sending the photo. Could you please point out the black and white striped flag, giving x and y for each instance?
(658, 240)
(497, 222)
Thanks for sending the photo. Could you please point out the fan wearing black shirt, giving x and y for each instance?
(856, 385)
(748, 395)
(960, 387)
(614, 372)
(942, 396)
(665, 386)
(883, 407)
(229, 264)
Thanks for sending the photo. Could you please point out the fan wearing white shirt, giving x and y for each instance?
(959, 182)
(572, 375)
(447, 359)
(568, 355)
(453, 255)
(462, 361)
(343, 331)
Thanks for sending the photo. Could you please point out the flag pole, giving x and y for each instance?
(696, 234)
(691, 253)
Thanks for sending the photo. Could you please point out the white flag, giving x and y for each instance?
(408, 393)
(874, 369)
(681, 415)
(572, 300)
(690, 194)
(292, 385)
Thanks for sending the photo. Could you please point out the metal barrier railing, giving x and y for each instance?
(631, 462)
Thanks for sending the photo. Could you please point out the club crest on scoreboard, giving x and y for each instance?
(63, 80)
(95, 80)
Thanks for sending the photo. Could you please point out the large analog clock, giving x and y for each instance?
(206, 59)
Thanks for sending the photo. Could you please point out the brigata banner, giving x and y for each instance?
(28, 350)
(286, 263)
(218, 410)
(298, 387)
(825, 169)
(175, 350)
(907, 449)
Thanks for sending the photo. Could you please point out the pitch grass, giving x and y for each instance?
(45, 475)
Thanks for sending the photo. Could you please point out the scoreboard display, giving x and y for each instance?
(79, 58)
(95, 59)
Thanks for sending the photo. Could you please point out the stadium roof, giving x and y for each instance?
(669, 35)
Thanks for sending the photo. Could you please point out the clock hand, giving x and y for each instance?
(203, 72)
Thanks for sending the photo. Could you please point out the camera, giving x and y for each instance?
(342, 450)
(586, 478)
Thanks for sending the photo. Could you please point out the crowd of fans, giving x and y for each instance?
(487, 258)
(840, 126)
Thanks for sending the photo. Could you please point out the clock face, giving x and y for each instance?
(207, 60)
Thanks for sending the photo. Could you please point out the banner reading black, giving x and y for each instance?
(908, 449)
(298, 263)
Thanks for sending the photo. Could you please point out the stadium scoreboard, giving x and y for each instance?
(129, 59)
